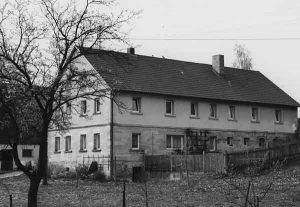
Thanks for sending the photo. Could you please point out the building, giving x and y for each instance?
(28, 152)
(174, 106)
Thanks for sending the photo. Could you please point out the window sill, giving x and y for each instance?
(83, 151)
(213, 118)
(136, 150)
(234, 120)
(278, 122)
(83, 115)
(255, 122)
(97, 113)
(170, 115)
(136, 113)
(70, 151)
(96, 150)
(57, 152)
(194, 117)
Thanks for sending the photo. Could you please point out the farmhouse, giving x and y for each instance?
(173, 106)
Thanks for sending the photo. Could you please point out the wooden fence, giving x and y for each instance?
(268, 154)
(206, 162)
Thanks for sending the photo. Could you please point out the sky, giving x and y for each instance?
(218, 19)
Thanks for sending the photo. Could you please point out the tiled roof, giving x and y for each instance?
(147, 74)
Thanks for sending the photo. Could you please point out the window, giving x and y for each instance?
(194, 109)
(68, 108)
(278, 116)
(97, 141)
(212, 145)
(82, 142)
(136, 141)
(229, 141)
(136, 104)
(262, 142)
(246, 141)
(68, 144)
(213, 111)
(97, 105)
(254, 114)
(231, 113)
(57, 144)
(83, 107)
(27, 152)
(174, 141)
(169, 107)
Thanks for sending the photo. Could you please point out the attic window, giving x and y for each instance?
(136, 104)
(254, 114)
(27, 153)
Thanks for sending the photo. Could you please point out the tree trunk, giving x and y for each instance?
(33, 190)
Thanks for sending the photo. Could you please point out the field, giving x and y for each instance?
(204, 190)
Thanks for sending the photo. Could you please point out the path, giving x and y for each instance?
(11, 174)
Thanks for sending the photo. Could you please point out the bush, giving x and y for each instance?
(82, 171)
(55, 171)
(99, 175)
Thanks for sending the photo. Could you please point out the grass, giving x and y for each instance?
(205, 190)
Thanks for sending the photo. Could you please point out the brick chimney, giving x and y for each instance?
(130, 50)
(218, 63)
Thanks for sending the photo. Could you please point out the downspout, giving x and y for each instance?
(112, 164)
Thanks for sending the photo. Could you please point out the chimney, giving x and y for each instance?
(218, 63)
(130, 50)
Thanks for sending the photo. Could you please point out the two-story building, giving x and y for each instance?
(173, 105)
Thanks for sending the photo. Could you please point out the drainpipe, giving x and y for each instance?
(111, 136)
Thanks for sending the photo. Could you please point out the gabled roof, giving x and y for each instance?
(138, 73)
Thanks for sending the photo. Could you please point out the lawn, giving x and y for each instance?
(204, 190)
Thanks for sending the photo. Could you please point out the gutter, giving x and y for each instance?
(111, 136)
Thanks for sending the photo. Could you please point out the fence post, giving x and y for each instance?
(203, 159)
(124, 194)
(171, 167)
(115, 168)
(10, 200)
(225, 162)
(187, 171)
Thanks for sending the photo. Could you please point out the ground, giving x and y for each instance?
(204, 190)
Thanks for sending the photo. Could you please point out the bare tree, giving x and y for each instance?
(41, 46)
(243, 59)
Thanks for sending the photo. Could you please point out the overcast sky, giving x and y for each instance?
(231, 19)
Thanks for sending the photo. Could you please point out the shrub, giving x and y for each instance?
(99, 175)
(82, 171)
(55, 171)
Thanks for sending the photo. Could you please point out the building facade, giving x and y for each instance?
(172, 106)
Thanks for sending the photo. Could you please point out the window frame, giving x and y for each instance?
(281, 116)
(27, 150)
(195, 104)
(68, 108)
(214, 138)
(97, 106)
(172, 136)
(82, 146)
(257, 114)
(57, 149)
(246, 141)
(229, 112)
(68, 144)
(230, 141)
(172, 107)
(83, 107)
(96, 142)
(136, 105)
(138, 141)
(211, 107)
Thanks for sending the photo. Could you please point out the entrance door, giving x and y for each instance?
(6, 160)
